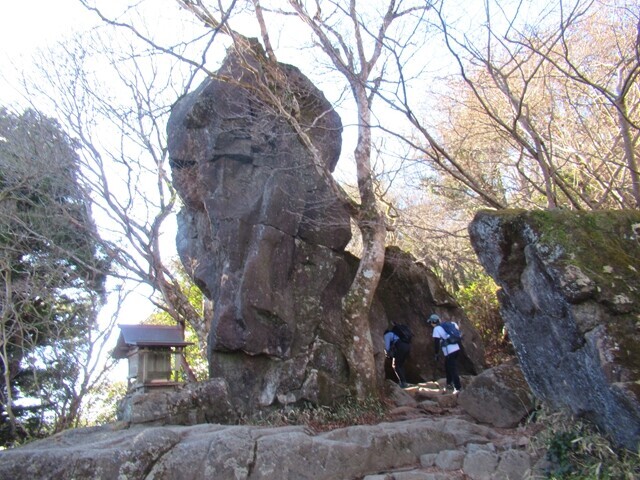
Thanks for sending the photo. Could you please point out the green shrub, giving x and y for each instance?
(479, 301)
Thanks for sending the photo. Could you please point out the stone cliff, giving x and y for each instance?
(263, 234)
(570, 301)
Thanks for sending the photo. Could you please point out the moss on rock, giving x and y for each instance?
(604, 245)
(571, 302)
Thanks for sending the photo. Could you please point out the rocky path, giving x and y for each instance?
(500, 454)
(427, 437)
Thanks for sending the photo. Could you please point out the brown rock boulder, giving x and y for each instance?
(498, 396)
(263, 234)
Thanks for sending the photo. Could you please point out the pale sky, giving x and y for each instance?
(26, 25)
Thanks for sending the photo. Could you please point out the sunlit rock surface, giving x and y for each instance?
(416, 447)
(263, 234)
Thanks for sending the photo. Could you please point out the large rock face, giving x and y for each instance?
(570, 300)
(263, 235)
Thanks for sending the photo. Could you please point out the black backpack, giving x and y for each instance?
(454, 334)
(403, 332)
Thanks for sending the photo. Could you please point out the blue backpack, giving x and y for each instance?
(454, 334)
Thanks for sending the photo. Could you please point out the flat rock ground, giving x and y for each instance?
(426, 436)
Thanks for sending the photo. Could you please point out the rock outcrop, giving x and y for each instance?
(263, 234)
(499, 396)
(571, 304)
(189, 404)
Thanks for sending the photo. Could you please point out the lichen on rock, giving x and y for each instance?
(570, 303)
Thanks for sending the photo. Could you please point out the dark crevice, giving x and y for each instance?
(254, 458)
(236, 157)
(179, 163)
(147, 471)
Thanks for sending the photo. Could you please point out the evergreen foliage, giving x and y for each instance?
(52, 276)
(478, 300)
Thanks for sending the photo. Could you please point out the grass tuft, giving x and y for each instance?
(575, 449)
(349, 412)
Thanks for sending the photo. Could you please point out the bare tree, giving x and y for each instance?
(530, 114)
(356, 47)
(597, 47)
(126, 98)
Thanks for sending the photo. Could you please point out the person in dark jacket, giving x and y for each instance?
(398, 350)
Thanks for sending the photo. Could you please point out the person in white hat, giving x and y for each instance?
(449, 350)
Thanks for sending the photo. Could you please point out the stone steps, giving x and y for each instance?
(506, 457)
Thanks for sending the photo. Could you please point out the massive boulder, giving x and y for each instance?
(570, 300)
(263, 234)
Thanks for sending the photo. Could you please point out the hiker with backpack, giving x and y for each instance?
(397, 345)
(447, 338)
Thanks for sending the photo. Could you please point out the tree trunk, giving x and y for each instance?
(629, 155)
(5, 338)
(356, 305)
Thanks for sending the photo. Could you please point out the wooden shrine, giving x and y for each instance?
(155, 354)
